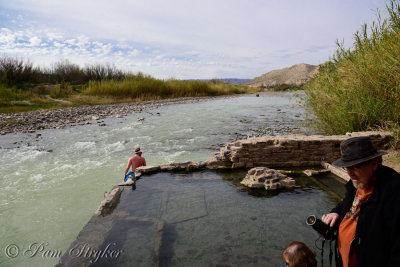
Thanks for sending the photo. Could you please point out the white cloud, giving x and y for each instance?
(34, 41)
(7, 38)
(184, 39)
(133, 52)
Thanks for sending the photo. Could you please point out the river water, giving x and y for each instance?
(52, 181)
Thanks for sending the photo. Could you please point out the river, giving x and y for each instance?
(52, 181)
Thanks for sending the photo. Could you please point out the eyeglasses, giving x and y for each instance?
(357, 166)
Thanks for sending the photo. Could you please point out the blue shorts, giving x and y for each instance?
(132, 174)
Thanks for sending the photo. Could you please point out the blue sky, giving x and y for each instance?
(182, 39)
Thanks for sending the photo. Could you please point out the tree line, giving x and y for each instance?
(17, 71)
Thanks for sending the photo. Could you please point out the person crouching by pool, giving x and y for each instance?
(297, 254)
(134, 162)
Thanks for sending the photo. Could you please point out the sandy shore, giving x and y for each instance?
(59, 118)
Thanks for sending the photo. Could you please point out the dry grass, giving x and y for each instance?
(135, 88)
(392, 159)
(148, 88)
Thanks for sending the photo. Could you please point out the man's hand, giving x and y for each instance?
(330, 218)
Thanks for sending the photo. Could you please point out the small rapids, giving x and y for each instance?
(53, 180)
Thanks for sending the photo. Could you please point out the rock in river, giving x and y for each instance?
(270, 179)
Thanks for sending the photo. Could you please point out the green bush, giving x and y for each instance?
(359, 88)
(17, 71)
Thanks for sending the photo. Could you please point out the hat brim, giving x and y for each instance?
(344, 164)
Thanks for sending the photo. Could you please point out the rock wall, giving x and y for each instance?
(109, 202)
(273, 152)
(288, 151)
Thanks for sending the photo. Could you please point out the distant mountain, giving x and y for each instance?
(235, 81)
(227, 80)
(296, 75)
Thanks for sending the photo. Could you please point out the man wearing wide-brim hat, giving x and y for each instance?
(368, 218)
(133, 163)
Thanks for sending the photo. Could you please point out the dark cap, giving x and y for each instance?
(356, 150)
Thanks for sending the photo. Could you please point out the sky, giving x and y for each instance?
(182, 39)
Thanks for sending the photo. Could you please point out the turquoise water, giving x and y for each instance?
(51, 184)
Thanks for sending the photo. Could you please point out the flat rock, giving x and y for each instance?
(314, 172)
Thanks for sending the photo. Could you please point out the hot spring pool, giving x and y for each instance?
(202, 219)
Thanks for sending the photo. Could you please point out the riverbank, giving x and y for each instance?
(59, 118)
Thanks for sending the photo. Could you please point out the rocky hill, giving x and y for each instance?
(235, 81)
(296, 75)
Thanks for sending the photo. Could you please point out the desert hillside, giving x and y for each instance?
(296, 75)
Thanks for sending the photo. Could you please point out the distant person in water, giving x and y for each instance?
(134, 162)
(297, 254)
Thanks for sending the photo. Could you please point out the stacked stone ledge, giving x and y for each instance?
(288, 151)
(173, 166)
(273, 151)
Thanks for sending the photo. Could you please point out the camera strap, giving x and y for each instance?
(322, 252)
(330, 252)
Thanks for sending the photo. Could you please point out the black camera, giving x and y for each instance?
(323, 229)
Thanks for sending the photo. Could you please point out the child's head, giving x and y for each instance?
(297, 254)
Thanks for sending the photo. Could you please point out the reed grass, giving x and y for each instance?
(359, 88)
(147, 88)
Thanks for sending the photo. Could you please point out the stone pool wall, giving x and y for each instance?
(288, 151)
(274, 152)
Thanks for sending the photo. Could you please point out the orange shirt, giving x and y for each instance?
(347, 228)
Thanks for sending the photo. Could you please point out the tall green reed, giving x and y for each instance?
(359, 88)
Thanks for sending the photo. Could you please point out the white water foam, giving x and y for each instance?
(84, 145)
(114, 147)
(36, 178)
(18, 156)
(187, 130)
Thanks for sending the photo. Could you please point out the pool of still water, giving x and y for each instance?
(207, 219)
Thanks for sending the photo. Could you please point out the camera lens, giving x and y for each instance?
(311, 220)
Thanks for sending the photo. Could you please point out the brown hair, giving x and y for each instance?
(299, 255)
